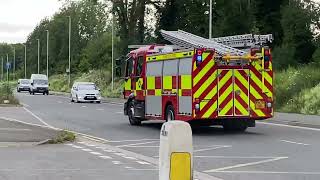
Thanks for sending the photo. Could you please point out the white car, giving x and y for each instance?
(85, 92)
(23, 85)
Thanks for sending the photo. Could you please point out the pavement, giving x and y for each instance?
(275, 149)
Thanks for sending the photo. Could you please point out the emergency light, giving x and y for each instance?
(199, 56)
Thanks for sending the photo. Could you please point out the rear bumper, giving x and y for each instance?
(23, 89)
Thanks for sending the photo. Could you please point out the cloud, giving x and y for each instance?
(13, 28)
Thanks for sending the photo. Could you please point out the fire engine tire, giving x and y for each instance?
(170, 113)
(235, 125)
(132, 120)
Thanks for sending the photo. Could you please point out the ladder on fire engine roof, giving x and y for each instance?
(223, 45)
(245, 40)
(188, 40)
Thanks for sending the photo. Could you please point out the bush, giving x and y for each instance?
(7, 94)
(293, 86)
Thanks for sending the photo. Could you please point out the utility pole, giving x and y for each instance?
(25, 61)
(69, 81)
(47, 53)
(7, 76)
(14, 62)
(210, 20)
(38, 56)
(112, 47)
(1, 68)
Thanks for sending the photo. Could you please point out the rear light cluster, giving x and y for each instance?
(197, 105)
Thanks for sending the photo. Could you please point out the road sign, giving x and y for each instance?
(8, 66)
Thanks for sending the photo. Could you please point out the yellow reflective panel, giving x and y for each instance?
(180, 166)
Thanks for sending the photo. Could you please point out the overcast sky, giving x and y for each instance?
(19, 17)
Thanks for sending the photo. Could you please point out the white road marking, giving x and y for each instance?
(127, 167)
(100, 109)
(95, 153)
(116, 162)
(98, 147)
(69, 144)
(237, 157)
(270, 172)
(142, 162)
(78, 147)
(105, 157)
(14, 129)
(143, 146)
(87, 150)
(119, 154)
(133, 140)
(84, 106)
(119, 112)
(245, 164)
(37, 117)
(211, 148)
(128, 157)
(136, 144)
(82, 142)
(90, 145)
(289, 126)
(292, 142)
(109, 150)
(143, 169)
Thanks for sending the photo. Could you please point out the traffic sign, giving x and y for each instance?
(8, 66)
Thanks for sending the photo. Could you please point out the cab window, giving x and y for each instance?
(129, 67)
(139, 66)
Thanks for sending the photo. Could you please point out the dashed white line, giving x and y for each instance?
(109, 150)
(133, 140)
(105, 157)
(84, 106)
(271, 172)
(136, 144)
(116, 162)
(119, 154)
(128, 157)
(292, 142)
(87, 150)
(78, 147)
(95, 153)
(142, 162)
(289, 126)
(119, 112)
(245, 164)
(211, 148)
(127, 167)
(14, 129)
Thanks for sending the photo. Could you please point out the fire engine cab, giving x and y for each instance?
(200, 80)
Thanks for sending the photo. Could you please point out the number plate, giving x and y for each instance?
(260, 104)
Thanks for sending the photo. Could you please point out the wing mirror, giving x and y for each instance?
(32, 84)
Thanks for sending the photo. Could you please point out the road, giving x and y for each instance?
(268, 151)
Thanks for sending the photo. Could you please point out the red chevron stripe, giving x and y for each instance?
(257, 88)
(226, 101)
(214, 114)
(242, 102)
(208, 105)
(226, 85)
(241, 86)
(237, 112)
(253, 114)
(203, 79)
(259, 76)
(268, 86)
(202, 64)
(209, 88)
(243, 74)
(230, 111)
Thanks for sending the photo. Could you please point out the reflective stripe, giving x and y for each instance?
(151, 82)
(167, 82)
(185, 81)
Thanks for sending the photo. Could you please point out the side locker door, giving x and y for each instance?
(241, 92)
(225, 92)
(154, 88)
(128, 75)
(184, 87)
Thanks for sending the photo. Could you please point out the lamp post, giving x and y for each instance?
(14, 62)
(69, 80)
(38, 56)
(210, 20)
(25, 60)
(47, 53)
(112, 47)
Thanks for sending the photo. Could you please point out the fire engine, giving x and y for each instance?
(224, 81)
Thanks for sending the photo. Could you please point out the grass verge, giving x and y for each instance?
(6, 94)
(62, 137)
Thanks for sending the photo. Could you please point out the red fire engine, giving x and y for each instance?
(200, 81)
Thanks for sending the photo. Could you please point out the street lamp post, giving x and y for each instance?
(25, 61)
(69, 80)
(1, 68)
(38, 56)
(47, 53)
(112, 47)
(14, 62)
(210, 20)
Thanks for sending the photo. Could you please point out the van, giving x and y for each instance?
(39, 84)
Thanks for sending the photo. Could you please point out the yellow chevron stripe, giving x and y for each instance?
(225, 109)
(205, 85)
(212, 93)
(225, 95)
(203, 72)
(203, 103)
(211, 110)
(242, 109)
(223, 81)
(257, 111)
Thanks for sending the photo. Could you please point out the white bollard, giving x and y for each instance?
(176, 151)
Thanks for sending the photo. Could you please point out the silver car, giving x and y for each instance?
(23, 85)
(85, 92)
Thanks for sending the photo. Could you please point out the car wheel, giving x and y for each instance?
(44, 93)
(98, 102)
(77, 99)
(71, 98)
(132, 120)
(18, 90)
(170, 113)
(32, 92)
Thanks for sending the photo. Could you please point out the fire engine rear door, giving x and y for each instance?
(241, 92)
(225, 92)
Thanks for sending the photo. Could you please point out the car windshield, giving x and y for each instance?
(24, 81)
(40, 82)
(87, 87)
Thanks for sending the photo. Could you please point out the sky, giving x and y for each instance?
(19, 17)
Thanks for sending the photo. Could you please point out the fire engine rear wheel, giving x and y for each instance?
(235, 125)
(133, 120)
(170, 113)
